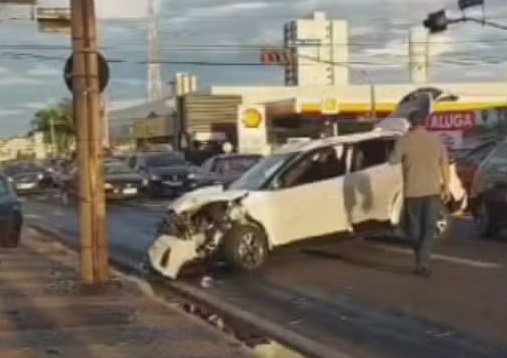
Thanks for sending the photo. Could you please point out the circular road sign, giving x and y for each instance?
(103, 72)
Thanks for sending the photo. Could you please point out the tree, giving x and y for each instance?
(57, 124)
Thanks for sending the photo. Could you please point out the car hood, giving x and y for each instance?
(196, 199)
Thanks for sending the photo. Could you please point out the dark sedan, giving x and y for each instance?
(120, 182)
(11, 217)
(26, 177)
(167, 173)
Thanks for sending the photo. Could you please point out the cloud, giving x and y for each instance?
(18, 81)
(6, 112)
(125, 103)
(36, 105)
(44, 71)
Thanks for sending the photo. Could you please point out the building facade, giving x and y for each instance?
(319, 48)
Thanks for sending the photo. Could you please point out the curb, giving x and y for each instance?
(304, 345)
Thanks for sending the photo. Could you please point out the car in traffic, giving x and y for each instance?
(167, 173)
(226, 168)
(468, 163)
(11, 217)
(26, 177)
(488, 195)
(303, 190)
(120, 182)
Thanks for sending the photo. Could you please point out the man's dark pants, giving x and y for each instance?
(421, 215)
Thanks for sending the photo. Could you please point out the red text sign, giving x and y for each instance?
(451, 121)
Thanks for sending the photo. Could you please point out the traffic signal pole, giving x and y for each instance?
(86, 104)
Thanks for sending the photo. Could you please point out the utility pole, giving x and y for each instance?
(52, 134)
(154, 87)
(86, 100)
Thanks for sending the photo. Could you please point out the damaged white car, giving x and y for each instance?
(303, 190)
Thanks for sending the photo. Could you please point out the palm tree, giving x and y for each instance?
(57, 124)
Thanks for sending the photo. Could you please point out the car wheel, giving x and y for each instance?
(485, 225)
(245, 247)
(11, 240)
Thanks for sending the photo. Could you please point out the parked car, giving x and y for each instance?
(11, 217)
(120, 182)
(167, 173)
(468, 163)
(303, 190)
(488, 195)
(226, 168)
(26, 177)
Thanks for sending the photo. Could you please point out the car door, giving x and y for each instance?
(7, 203)
(373, 186)
(307, 201)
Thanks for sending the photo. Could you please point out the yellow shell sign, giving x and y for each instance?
(330, 105)
(252, 118)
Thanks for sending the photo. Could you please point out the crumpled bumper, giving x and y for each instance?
(168, 254)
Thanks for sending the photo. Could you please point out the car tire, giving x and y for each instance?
(483, 222)
(246, 247)
(11, 240)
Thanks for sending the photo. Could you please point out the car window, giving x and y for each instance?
(165, 160)
(319, 165)
(479, 154)
(132, 162)
(208, 165)
(234, 164)
(262, 172)
(371, 153)
(116, 168)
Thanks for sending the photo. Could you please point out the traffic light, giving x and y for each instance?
(436, 21)
(465, 4)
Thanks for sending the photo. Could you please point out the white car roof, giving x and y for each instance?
(333, 141)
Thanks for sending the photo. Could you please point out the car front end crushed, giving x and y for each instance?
(194, 229)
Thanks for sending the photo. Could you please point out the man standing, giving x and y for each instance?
(425, 166)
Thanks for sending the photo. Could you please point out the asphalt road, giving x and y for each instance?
(357, 295)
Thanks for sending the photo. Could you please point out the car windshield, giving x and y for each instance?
(256, 176)
(22, 168)
(165, 160)
(116, 168)
(238, 164)
(499, 155)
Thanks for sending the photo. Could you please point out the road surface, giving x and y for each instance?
(357, 295)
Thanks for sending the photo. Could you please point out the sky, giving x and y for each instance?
(31, 62)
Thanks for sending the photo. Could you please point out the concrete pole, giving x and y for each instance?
(80, 108)
(86, 100)
(101, 252)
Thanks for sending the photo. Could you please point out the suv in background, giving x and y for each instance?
(488, 195)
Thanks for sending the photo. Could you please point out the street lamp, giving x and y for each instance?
(438, 21)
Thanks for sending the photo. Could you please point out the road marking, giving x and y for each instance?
(453, 259)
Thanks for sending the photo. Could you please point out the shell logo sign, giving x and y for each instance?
(330, 106)
(252, 118)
